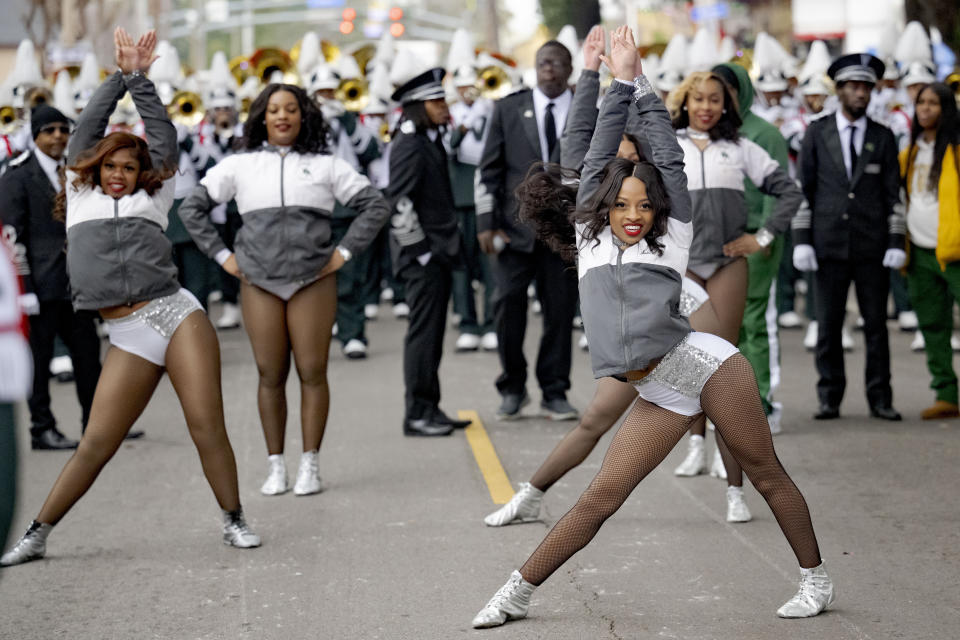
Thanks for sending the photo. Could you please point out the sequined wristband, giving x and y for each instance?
(641, 87)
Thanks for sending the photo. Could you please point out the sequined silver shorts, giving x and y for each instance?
(675, 384)
(147, 331)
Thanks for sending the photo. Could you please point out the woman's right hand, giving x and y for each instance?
(623, 60)
(134, 56)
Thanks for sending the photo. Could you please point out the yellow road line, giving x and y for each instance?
(496, 478)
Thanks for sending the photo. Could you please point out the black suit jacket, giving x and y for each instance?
(26, 209)
(421, 197)
(513, 144)
(855, 218)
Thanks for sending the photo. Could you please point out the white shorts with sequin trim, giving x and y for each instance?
(675, 384)
(147, 331)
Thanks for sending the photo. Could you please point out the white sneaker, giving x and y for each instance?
(371, 311)
(918, 343)
(31, 546)
(578, 322)
(536, 307)
(955, 342)
(308, 480)
(386, 295)
(696, 461)
(846, 340)
(583, 343)
(717, 470)
(816, 594)
(401, 310)
(737, 510)
(230, 317)
(510, 602)
(236, 531)
(355, 349)
(489, 341)
(468, 342)
(790, 320)
(775, 419)
(810, 337)
(215, 296)
(276, 482)
(61, 365)
(524, 506)
(907, 320)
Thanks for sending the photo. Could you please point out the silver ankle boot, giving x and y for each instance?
(32, 546)
(524, 506)
(236, 532)
(510, 602)
(816, 594)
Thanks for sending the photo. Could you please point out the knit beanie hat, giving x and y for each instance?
(44, 115)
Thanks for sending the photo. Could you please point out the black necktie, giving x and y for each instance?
(853, 150)
(550, 130)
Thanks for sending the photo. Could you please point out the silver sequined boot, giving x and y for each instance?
(816, 594)
(510, 602)
(32, 546)
(236, 532)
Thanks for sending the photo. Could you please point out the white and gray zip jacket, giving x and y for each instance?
(286, 200)
(715, 180)
(116, 251)
(630, 298)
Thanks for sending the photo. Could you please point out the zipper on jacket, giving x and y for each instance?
(123, 264)
(623, 312)
(283, 207)
(703, 169)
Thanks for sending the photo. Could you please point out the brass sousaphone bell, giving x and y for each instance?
(353, 93)
(186, 108)
(8, 119)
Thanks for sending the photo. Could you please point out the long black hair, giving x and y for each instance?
(313, 129)
(727, 128)
(948, 134)
(548, 203)
(416, 112)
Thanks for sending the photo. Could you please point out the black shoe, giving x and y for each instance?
(133, 435)
(64, 377)
(51, 439)
(511, 405)
(424, 427)
(827, 412)
(558, 409)
(885, 413)
(439, 417)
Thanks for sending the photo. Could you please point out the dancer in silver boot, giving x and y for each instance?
(236, 533)
(510, 602)
(816, 594)
(31, 546)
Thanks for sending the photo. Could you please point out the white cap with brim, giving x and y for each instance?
(918, 73)
(465, 76)
(816, 85)
(426, 86)
(771, 80)
(322, 77)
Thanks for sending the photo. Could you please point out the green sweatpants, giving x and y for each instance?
(759, 340)
(351, 278)
(8, 469)
(932, 292)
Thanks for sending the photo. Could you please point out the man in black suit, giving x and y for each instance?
(424, 245)
(27, 194)
(853, 232)
(525, 128)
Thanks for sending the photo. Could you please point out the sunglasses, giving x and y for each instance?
(55, 128)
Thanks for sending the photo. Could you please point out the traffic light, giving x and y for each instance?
(396, 26)
(346, 25)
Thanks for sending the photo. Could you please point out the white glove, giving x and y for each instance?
(30, 304)
(804, 258)
(894, 258)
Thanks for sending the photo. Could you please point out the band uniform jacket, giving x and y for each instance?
(37, 240)
(513, 144)
(423, 214)
(849, 219)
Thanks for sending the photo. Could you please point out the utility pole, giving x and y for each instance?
(491, 31)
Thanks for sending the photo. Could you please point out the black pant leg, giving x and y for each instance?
(79, 331)
(557, 286)
(427, 294)
(43, 330)
(833, 284)
(871, 279)
(513, 271)
(229, 285)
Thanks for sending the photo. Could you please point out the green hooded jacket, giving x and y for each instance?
(758, 130)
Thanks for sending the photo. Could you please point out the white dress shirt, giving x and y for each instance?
(843, 126)
(50, 167)
(561, 108)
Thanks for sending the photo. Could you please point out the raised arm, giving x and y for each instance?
(95, 116)
(583, 110)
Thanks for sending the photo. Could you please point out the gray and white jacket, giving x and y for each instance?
(286, 200)
(630, 298)
(715, 180)
(116, 251)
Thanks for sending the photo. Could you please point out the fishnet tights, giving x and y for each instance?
(730, 398)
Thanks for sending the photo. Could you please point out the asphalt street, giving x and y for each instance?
(395, 547)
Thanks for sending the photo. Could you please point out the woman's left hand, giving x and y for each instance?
(134, 56)
(333, 265)
(742, 246)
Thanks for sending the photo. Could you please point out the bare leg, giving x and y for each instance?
(610, 400)
(193, 364)
(311, 313)
(731, 399)
(125, 386)
(265, 318)
(642, 442)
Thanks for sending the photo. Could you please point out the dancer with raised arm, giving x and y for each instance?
(117, 194)
(633, 235)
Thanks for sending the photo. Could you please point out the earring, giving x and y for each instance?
(724, 111)
(684, 107)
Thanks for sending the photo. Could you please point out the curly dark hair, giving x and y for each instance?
(548, 203)
(313, 129)
(727, 128)
(595, 214)
(87, 168)
(948, 135)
